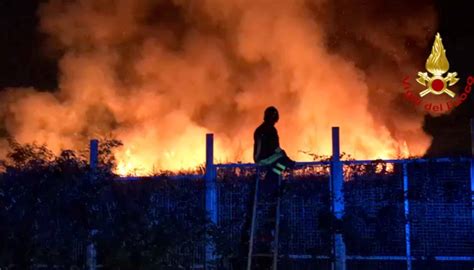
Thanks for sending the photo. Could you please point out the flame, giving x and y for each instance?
(159, 83)
(404, 151)
(129, 164)
(437, 63)
(140, 160)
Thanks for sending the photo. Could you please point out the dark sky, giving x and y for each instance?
(452, 132)
(24, 63)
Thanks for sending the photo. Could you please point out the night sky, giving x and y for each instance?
(26, 62)
(452, 132)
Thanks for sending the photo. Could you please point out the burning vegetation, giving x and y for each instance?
(157, 75)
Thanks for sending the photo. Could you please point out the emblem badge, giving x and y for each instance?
(437, 64)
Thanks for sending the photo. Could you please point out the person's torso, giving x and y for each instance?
(269, 141)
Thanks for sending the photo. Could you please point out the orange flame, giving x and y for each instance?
(159, 83)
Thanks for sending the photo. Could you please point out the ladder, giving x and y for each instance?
(257, 220)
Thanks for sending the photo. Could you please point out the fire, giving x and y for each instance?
(139, 164)
(404, 151)
(129, 164)
(140, 160)
(159, 83)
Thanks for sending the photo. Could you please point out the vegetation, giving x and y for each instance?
(51, 207)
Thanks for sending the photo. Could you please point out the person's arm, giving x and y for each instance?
(257, 147)
(289, 162)
(277, 138)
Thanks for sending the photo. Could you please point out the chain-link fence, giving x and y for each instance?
(376, 231)
(399, 214)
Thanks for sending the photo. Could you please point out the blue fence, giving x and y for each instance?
(357, 214)
(395, 214)
(416, 216)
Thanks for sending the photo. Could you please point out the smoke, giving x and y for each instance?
(158, 75)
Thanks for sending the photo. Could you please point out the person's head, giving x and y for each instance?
(271, 115)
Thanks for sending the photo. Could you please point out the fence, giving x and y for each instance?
(419, 216)
(358, 214)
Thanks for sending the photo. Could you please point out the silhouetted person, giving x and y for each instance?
(270, 157)
(267, 151)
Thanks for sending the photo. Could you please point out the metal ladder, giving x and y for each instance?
(253, 228)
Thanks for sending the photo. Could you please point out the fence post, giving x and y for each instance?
(406, 204)
(94, 155)
(337, 202)
(91, 253)
(472, 170)
(211, 196)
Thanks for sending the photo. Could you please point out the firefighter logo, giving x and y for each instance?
(437, 64)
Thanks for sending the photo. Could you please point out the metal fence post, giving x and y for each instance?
(94, 155)
(406, 204)
(337, 203)
(211, 196)
(91, 253)
(472, 170)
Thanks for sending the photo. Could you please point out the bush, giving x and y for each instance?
(50, 204)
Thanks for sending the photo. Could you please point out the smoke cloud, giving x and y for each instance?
(158, 75)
